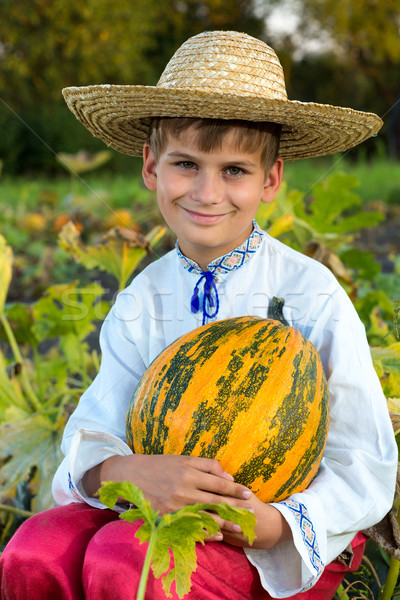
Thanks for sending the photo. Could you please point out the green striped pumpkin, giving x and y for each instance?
(247, 391)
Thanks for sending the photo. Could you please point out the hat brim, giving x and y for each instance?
(120, 115)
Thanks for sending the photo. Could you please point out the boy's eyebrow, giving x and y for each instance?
(179, 154)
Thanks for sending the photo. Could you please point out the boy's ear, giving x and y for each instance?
(273, 181)
(149, 170)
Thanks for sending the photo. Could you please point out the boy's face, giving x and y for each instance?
(209, 199)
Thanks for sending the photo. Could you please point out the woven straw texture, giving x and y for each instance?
(225, 75)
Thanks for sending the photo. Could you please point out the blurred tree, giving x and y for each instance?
(178, 20)
(45, 46)
(348, 52)
(366, 33)
(48, 45)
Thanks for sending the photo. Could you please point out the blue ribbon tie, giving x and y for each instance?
(208, 300)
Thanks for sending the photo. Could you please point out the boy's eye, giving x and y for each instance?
(186, 164)
(234, 170)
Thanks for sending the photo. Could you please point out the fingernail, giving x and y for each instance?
(228, 476)
(246, 494)
(218, 536)
(236, 528)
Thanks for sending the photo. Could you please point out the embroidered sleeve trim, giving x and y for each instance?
(306, 527)
(73, 489)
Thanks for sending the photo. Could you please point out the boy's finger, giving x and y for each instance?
(221, 483)
(225, 487)
(224, 526)
(220, 522)
(209, 465)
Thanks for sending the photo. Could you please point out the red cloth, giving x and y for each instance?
(76, 551)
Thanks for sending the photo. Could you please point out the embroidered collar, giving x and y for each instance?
(229, 262)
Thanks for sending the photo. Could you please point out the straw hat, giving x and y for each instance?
(225, 75)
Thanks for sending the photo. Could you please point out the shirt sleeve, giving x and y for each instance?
(354, 487)
(101, 409)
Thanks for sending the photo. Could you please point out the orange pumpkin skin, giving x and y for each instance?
(247, 391)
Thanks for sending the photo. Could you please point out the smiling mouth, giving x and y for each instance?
(202, 217)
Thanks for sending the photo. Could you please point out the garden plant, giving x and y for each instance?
(62, 259)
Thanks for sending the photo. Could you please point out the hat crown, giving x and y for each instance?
(226, 62)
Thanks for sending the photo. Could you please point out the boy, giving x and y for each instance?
(213, 134)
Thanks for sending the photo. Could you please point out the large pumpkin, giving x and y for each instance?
(247, 391)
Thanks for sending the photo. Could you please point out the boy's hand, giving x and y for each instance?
(170, 482)
(271, 527)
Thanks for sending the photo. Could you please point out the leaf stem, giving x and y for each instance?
(33, 399)
(392, 576)
(391, 579)
(341, 593)
(16, 511)
(11, 338)
(146, 566)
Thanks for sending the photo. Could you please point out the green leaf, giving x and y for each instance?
(181, 530)
(280, 218)
(176, 532)
(74, 351)
(387, 365)
(388, 283)
(64, 309)
(83, 161)
(365, 305)
(144, 532)
(10, 391)
(329, 199)
(20, 318)
(396, 320)
(241, 516)
(119, 253)
(363, 263)
(33, 442)
(394, 411)
(6, 259)
(332, 199)
(378, 328)
(110, 492)
(180, 535)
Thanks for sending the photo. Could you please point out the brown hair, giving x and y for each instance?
(250, 135)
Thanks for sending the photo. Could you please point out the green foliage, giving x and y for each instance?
(83, 161)
(331, 200)
(362, 263)
(176, 532)
(387, 365)
(37, 390)
(30, 451)
(5, 270)
(34, 212)
(324, 224)
(378, 305)
(46, 361)
(45, 365)
(119, 254)
(66, 310)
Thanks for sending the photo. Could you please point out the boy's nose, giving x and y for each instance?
(207, 189)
